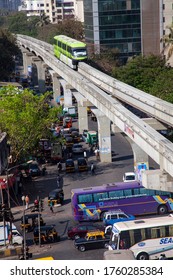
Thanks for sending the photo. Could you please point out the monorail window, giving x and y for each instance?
(59, 44)
(116, 194)
(85, 198)
(69, 49)
(64, 46)
(55, 42)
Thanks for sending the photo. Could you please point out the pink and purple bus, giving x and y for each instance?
(91, 203)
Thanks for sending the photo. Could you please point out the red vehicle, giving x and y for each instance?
(80, 230)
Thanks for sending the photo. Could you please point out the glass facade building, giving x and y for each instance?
(113, 24)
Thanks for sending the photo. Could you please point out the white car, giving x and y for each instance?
(77, 149)
(129, 177)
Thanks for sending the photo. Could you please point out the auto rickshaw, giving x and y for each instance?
(47, 234)
(56, 196)
(30, 221)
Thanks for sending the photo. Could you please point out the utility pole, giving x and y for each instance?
(24, 232)
(39, 210)
(3, 215)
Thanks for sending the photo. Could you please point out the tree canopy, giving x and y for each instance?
(26, 119)
(8, 50)
(149, 74)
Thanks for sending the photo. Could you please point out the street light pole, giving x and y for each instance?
(24, 232)
(3, 215)
(39, 209)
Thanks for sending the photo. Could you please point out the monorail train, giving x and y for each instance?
(69, 51)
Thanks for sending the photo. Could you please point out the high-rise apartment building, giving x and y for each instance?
(56, 10)
(131, 26)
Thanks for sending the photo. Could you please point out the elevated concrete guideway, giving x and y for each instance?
(139, 99)
(153, 143)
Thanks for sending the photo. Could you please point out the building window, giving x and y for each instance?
(47, 5)
(163, 19)
(163, 6)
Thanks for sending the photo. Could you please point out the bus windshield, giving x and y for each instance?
(131, 197)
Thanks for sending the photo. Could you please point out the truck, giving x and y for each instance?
(70, 110)
(56, 152)
(17, 238)
(92, 137)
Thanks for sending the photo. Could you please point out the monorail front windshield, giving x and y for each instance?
(79, 52)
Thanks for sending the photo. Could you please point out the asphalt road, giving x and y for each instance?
(62, 217)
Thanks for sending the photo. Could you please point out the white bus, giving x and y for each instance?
(148, 238)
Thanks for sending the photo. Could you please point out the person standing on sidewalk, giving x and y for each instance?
(51, 206)
(27, 201)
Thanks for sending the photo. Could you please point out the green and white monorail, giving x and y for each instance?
(69, 50)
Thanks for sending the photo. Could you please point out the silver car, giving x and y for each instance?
(77, 149)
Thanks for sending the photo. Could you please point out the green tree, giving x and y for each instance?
(19, 23)
(140, 71)
(8, 50)
(26, 119)
(69, 27)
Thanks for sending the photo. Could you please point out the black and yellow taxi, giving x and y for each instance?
(82, 164)
(69, 165)
(92, 240)
(68, 140)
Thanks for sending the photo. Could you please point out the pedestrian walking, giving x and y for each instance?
(60, 181)
(92, 169)
(27, 201)
(51, 204)
(97, 153)
(85, 155)
(59, 166)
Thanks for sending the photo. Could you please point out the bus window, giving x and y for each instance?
(100, 196)
(83, 198)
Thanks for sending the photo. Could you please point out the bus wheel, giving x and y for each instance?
(162, 209)
(82, 248)
(143, 256)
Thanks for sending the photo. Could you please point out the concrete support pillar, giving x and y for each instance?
(56, 86)
(104, 137)
(82, 116)
(67, 96)
(25, 66)
(141, 159)
(41, 73)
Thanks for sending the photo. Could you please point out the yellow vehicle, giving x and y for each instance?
(30, 221)
(93, 234)
(47, 234)
(45, 259)
(56, 196)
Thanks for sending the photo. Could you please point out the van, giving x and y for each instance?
(129, 177)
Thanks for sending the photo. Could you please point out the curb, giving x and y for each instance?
(10, 252)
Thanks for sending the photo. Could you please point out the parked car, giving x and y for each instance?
(129, 177)
(92, 240)
(77, 149)
(82, 164)
(116, 216)
(69, 166)
(81, 230)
